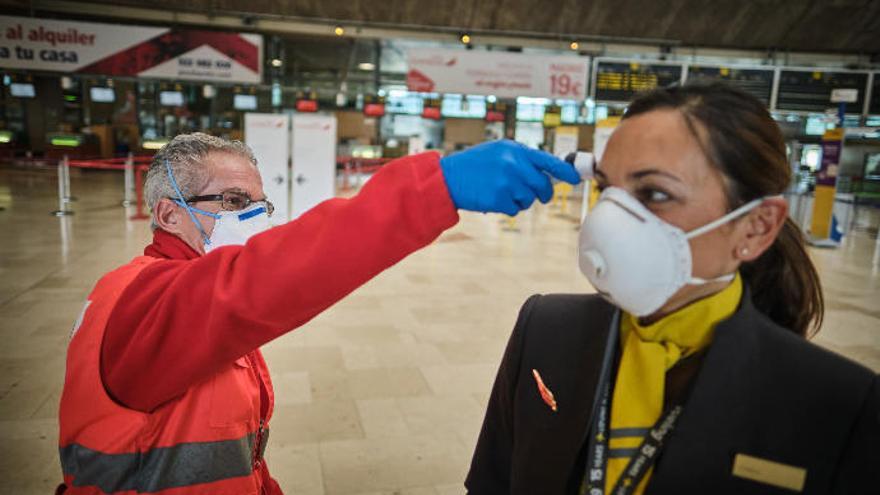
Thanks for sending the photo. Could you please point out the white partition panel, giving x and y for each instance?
(314, 160)
(268, 135)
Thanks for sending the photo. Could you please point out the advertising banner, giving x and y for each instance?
(135, 51)
(503, 74)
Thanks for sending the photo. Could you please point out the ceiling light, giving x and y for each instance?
(574, 45)
(366, 66)
(465, 38)
(339, 30)
(276, 62)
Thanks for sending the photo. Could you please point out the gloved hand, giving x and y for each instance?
(503, 177)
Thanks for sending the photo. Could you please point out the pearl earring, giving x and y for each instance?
(744, 251)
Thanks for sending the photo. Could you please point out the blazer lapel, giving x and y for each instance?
(719, 408)
(570, 364)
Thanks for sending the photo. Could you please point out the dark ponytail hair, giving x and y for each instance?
(739, 136)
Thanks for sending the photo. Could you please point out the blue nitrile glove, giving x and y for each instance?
(503, 177)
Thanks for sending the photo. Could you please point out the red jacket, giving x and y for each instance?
(185, 318)
(210, 440)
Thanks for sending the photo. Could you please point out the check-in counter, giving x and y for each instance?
(72, 145)
(800, 209)
(9, 144)
(150, 146)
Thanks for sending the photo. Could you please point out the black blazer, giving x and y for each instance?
(761, 391)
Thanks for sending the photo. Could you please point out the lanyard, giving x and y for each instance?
(600, 430)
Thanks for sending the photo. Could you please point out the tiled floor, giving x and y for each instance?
(384, 393)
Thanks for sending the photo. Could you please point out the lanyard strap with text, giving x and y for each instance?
(641, 461)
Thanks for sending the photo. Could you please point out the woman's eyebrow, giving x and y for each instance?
(653, 171)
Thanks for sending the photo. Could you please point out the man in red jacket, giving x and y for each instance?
(166, 390)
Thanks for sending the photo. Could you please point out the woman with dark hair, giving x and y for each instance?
(692, 372)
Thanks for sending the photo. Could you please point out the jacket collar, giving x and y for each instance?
(735, 346)
(728, 386)
(169, 246)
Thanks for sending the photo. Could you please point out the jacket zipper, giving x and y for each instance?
(258, 447)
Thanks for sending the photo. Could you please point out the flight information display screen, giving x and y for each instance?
(102, 95)
(621, 81)
(810, 91)
(171, 98)
(757, 82)
(22, 90)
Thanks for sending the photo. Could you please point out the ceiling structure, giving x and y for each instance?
(842, 26)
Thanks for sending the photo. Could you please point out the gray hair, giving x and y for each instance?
(186, 154)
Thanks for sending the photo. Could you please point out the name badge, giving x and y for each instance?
(769, 472)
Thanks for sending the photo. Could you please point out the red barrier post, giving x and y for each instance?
(139, 192)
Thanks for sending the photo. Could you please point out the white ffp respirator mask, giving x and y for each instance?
(234, 228)
(634, 258)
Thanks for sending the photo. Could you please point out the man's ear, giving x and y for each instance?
(169, 216)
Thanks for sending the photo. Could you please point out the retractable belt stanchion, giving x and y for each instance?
(585, 200)
(129, 196)
(139, 192)
(359, 172)
(561, 193)
(876, 260)
(346, 176)
(63, 188)
(67, 196)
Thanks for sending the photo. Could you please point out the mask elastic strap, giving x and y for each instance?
(702, 281)
(189, 209)
(215, 216)
(742, 210)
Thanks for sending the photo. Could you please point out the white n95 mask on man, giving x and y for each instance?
(635, 259)
(234, 228)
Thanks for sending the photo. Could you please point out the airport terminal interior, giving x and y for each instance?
(385, 392)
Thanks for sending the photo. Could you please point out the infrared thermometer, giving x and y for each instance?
(584, 162)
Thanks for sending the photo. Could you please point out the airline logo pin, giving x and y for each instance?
(545, 392)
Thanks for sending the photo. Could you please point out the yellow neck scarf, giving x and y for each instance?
(649, 351)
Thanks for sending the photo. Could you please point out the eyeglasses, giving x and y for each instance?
(233, 201)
